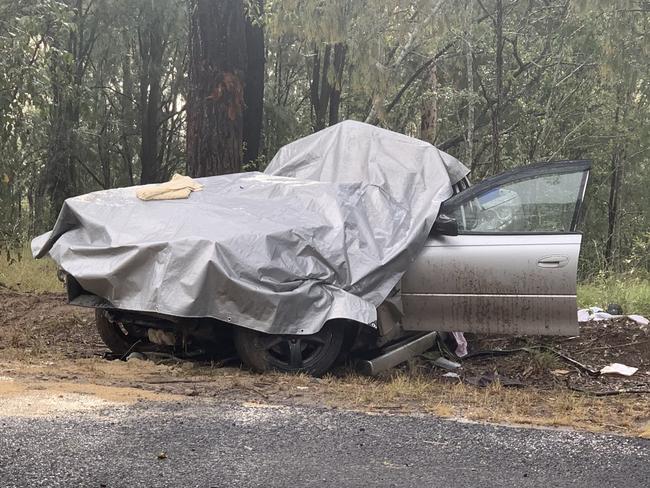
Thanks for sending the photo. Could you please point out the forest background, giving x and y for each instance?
(98, 94)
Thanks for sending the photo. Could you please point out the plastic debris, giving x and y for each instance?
(639, 319)
(451, 374)
(136, 355)
(461, 344)
(597, 313)
(445, 363)
(618, 368)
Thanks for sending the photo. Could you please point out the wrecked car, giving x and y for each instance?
(354, 238)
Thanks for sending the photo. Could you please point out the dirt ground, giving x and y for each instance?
(599, 344)
(53, 361)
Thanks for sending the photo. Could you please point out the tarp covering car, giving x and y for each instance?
(325, 232)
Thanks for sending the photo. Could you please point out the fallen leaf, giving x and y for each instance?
(560, 371)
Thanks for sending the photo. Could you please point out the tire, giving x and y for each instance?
(312, 354)
(113, 336)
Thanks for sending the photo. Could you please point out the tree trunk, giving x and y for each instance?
(215, 105)
(335, 95)
(320, 87)
(496, 109)
(314, 86)
(152, 50)
(103, 151)
(59, 177)
(254, 87)
(127, 126)
(469, 68)
(429, 114)
(616, 178)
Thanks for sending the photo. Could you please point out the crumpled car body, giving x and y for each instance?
(326, 232)
(353, 237)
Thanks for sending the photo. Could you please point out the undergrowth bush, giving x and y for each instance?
(630, 291)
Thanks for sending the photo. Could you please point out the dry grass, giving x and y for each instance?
(553, 408)
(645, 432)
(400, 393)
(24, 273)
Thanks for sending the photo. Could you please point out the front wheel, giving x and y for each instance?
(118, 340)
(312, 354)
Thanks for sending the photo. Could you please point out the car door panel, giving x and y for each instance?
(513, 267)
(495, 265)
(513, 294)
(491, 314)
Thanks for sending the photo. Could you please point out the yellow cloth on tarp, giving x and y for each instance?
(178, 187)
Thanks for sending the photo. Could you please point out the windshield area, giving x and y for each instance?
(545, 203)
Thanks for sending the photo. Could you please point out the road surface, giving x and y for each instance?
(207, 444)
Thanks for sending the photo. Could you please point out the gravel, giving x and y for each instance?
(202, 443)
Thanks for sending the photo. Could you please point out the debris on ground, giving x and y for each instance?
(461, 344)
(595, 362)
(45, 343)
(613, 312)
(451, 374)
(445, 363)
(136, 355)
(618, 368)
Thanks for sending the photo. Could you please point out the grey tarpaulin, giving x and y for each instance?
(326, 232)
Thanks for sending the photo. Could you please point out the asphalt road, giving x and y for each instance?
(212, 445)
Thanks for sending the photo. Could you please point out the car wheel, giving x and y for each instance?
(312, 354)
(117, 339)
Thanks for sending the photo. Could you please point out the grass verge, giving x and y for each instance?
(495, 403)
(631, 292)
(401, 392)
(24, 273)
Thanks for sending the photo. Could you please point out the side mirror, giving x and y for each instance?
(445, 225)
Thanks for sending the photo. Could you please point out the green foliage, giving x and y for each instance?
(630, 291)
(74, 85)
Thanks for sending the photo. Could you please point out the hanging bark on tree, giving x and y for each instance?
(215, 105)
(254, 85)
(617, 162)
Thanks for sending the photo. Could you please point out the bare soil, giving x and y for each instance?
(52, 360)
(599, 344)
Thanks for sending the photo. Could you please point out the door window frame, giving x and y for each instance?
(518, 174)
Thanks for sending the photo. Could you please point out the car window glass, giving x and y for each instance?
(543, 204)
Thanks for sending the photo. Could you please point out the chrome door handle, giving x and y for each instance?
(553, 261)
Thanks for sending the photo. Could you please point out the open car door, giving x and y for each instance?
(512, 267)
